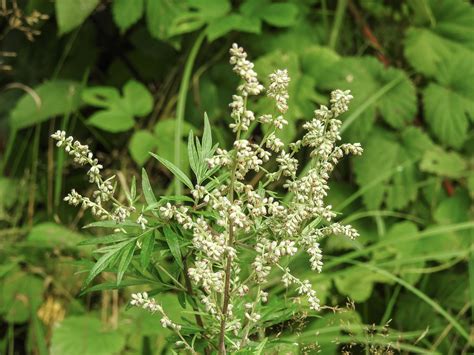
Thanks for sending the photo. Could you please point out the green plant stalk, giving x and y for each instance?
(471, 282)
(181, 105)
(59, 168)
(336, 27)
(8, 151)
(230, 243)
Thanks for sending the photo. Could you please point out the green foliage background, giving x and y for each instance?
(129, 77)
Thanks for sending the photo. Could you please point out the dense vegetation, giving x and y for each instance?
(133, 77)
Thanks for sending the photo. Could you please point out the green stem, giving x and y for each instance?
(180, 109)
(336, 27)
(8, 151)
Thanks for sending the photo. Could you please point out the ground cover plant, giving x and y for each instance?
(127, 79)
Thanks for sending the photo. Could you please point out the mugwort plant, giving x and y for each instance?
(234, 230)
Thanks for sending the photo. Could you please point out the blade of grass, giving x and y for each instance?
(372, 184)
(359, 215)
(181, 105)
(390, 306)
(417, 293)
(471, 282)
(327, 335)
(369, 102)
(337, 23)
(416, 236)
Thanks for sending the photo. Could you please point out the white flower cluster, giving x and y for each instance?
(244, 68)
(105, 189)
(278, 89)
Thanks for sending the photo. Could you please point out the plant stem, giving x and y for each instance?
(190, 291)
(180, 108)
(336, 27)
(230, 243)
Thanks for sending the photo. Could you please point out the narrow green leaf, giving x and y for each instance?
(100, 266)
(111, 224)
(173, 243)
(106, 239)
(147, 190)
(177, 172)
(125, 259)
(113, 285)
(133, 189)
(148, 243)
(206, 136)
(192, 155)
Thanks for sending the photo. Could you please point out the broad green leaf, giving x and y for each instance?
(357, 283)
(56, 97)
(148, 243)
(452, 210)
(141, 143)
(177, 172)
(112, 121)
(253, 8)
(72, 13)
(449, 102)
(386, 172)
(280, 14)
(416, 141)
(125, 259)
(173, 244)
(52, 235)
(138, 99)
(85, 335)
(147, 189)
(400, 251)
(164, 132)
(449, 33)
(316, 61)
(233, 22)
(20, 294)
(210, 9)
(160, 15)
(442, 163)
(101, 96)
(126, 12)
(120, 111)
